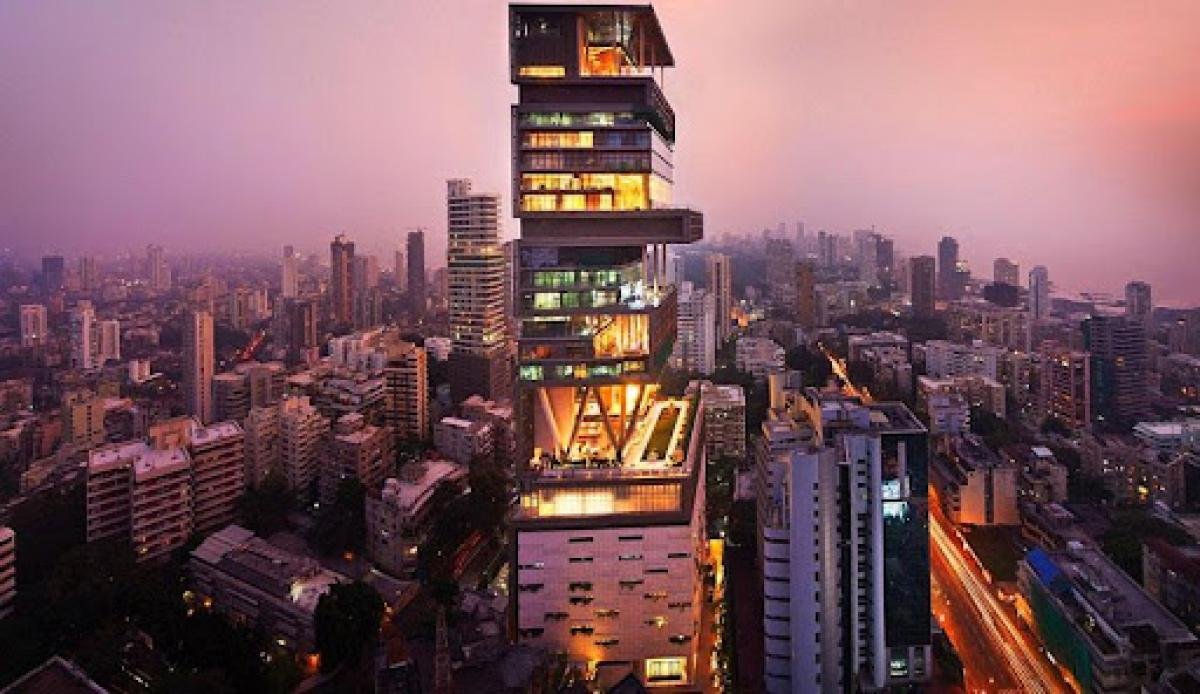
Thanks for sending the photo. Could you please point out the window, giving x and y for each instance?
(574, 540)
(580, 560)
(629, 557)
(665, 669)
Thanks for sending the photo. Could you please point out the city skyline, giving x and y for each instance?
(264, 127)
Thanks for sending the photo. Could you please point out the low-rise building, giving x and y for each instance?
(949, 414)
(1043, 479)
(946, 359)
(758, 356)
(724, 421)
(255, 583)
(356, 450)
(1099, 623)
(976, 486)
(1171, 576)
(463, 440)
(398, 514)
(979, 392)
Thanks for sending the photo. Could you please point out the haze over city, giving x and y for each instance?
(1056, 133)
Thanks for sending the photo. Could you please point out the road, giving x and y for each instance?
(997, 653)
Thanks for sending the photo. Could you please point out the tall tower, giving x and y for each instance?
(720, 285)
(1039, 293)
(198, 365)
(921, 285)
(806, 297)
(341, 286)
(475, 275)
(158, 275)
(289, 274)
(416, 270)
(1138, 304)
(948, 268)
(83, 336)
(609, 534)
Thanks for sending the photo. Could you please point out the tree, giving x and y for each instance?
(994, 431)
(265, 508)
(1054, 425)
(342, 525)
(346, 623)
(812, 364)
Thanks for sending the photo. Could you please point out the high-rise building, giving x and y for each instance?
(406, 384)
(866, 255)
(142, 494)
(89, 276)
(158, 273)
(1005, 271)
(806, 295)
(302, 433)
(416, 289)
(355, 450)
(261, 427)
(108, 341)
(218, 474)
(475, 278)
(53, 273)
(301, 329)
(400, 271)
(289, 274)
(83, 337)
(885, 260)
(609, 534)
(83, 420)
(35, 329)
(781, 263)
(948, 280)
(1039, 293)
(1139, 307)
(827, 254)
(922, 285)
(341, 283)
(1068, 388)
(1120, 370)
(720, 285)
(844, 546)
(198, 365)
(8, 570)
(696, 344)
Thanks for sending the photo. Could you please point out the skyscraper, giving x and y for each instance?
(844, 545)
(1039, 293)
(108, 341)
(696, 344)
(83, 336)
(806, 296)
(609, 534)
(475, 278)
(720, 284)
(53, 274)
(1005, 271)
(289, 274)
(416, 271)
(341, 284)
(1138, 304)
(158, 274)
(400, 271)
(1120, 370)
(198, 352)
(89, 277)
(948, 280)
(922, 284)
(34, 326)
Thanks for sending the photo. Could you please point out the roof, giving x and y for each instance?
(659, 47)
(55, 676)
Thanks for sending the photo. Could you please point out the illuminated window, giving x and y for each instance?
(551, 140)
(542, 71)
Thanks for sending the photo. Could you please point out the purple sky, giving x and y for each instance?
(1062, 133)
